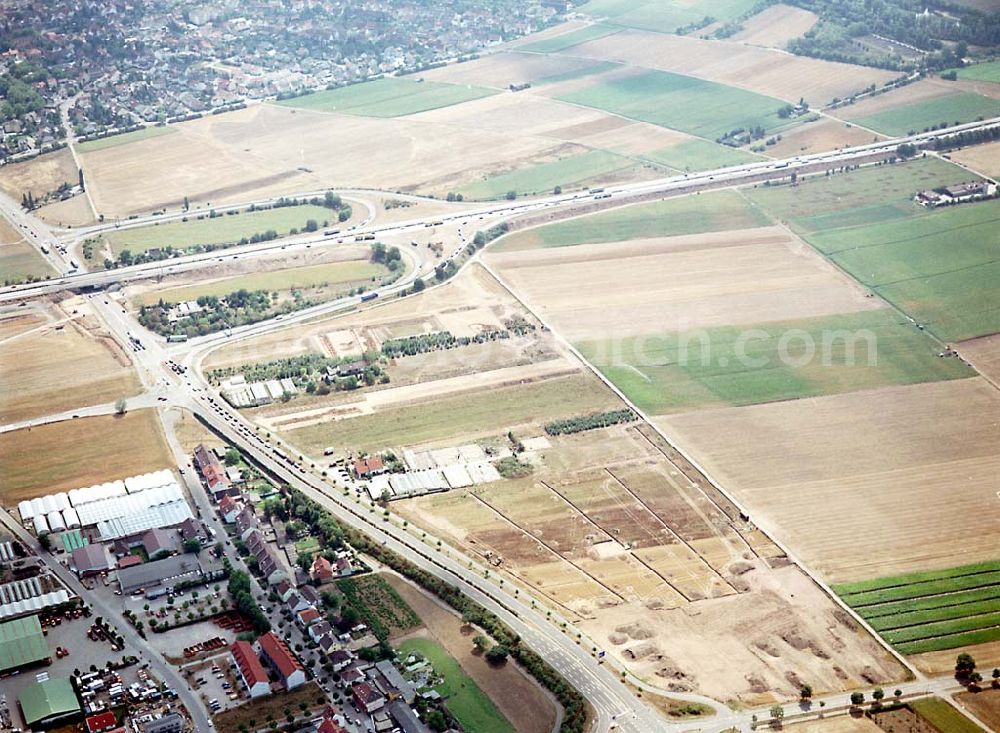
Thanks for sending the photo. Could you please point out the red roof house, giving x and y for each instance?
(308, 616)
(101, 722)
(276, 653)
(368, 467)
(251, 670)
(322, 570)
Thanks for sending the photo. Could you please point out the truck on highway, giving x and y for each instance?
(331, 232)
(177, 338)
(368, 296)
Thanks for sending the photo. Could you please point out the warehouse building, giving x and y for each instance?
(22, 643)
(89, 560)
(167, 573)
(44, 704)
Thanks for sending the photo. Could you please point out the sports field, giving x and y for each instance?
(388, 97)
(989, 71)
(767, 362)
(125, 138)
(553, 44)
(932, 610)
(941, 268)
(544, 177)
(663, 16)
(700, 155)
(91, 450)
(335, 273)
(223, 229)
(702, 108)
(685, 215)
(864, 196)
(462, 696)
(951, 109)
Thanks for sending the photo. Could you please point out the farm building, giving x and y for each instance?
(240, 393)
(159, 541)
(279, 657)
(89, 560)
(252, 672)
(958, 193)
(395, 681)
(368, 467)
(46, 703)
(31, 595)
(22, 643)
(167, 573)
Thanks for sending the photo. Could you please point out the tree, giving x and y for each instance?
(436, 721)
(906, 150)
(877, 695)
(965, 665)
(45, 541)
(80, 176)
(481, 642)
(497, 655)
(192, 546)
(777, 712)
(232, 457)
(418, 285)
(857, 698)
(805, 692)
(187, 204)
(311, 225)
(120, 406)
(557, 190)
(511, 195)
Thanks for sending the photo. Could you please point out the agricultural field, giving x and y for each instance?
(865, 196)
(775, 26)
(40, 175)
(819, 136)
(711, 212)
(837, 724)
(562, 41)
(55, 361)
(984, 354)
(500, 70)
(951, 109)
(764, 71)
(463, 698)
(313, 281)
(662, 16)
(124, 139)
(989, 71)
(84, 458)
(787, 463)
(683, 103)
(20, 261)
(940, 268)
(378, 604)
(982, 158)
(220, 230)
(931, 610)
(700, 155)
(613, 529)
(568, 172)
(271, 706)
(943, 716)
(985, 705)
(388, 97)
(515, 694)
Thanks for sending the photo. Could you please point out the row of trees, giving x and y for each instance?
(240, 590)
(590, 422)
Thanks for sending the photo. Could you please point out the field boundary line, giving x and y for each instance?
(906, 664)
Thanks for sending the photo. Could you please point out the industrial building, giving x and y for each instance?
(22, 643)
(89, 560)
(167, 573)
(46, 703)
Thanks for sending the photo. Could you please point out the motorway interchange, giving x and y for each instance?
(615, 706)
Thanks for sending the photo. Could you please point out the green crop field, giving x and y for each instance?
(932, 610)
(485, 412)
(664, 16)
(943, 716)
(125, 138)
(568, 40)
(711, 212)
(700, 155)
(599, 68)
(463, 697)
(379, 605)
(989, 71)
(863, 196)
(684, 103)
(544, 177)
(389, 97)
(20, 260)
(942, 268)
(225, 229)
(313, 276)
(916, 117)
(721, 366)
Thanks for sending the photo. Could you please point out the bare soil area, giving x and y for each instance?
(72, 212)
(500, 70)
(920, 91)
(984, 705)
(820, 136)
(838, 724)
(775, 26)
(677, 283)
(39, 175)
(984, 159)
(515, 694)
(984, 354)
(823, 472)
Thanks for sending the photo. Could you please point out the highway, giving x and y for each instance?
(614, 704)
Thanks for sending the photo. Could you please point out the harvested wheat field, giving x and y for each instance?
(986, 655)
(920, 91)
(615, 530)
(63, 361)
(775, 26)
(647, 286)
(72, 212)
(259, 151)
(984, 354)
(821, 473)
(838, 724)
(820, 136)
(26, 464)
(500, 70)
(764, 71)
(984, 159)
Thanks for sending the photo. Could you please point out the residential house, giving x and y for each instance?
(246, 522)
(192, 529)
(229, 509)
(307, 617)
(366, 697)
(267, 560)
(391, 681)
(159, 543)
(284, 589)
(297, 603)
(319, 629)
(343, 567)
(322, 570)
(279, 657)
(340, 659)
(251, 671)
(368, 467)
(311, 595)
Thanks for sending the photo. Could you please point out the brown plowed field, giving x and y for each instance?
(850, 480)
(820, 136)
(775, 26)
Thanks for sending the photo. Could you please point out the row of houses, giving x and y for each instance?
(270, 652)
